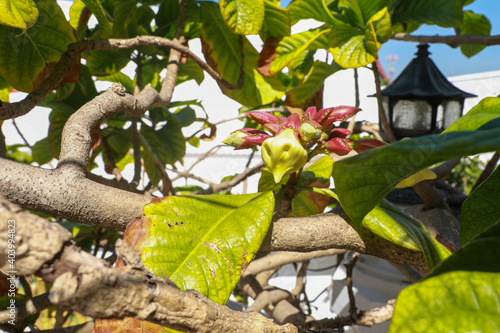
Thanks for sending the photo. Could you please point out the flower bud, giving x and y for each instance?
(308, 132)
(292, 121)
(340, 133)
(264, 117)
(246, 138)
(362, 145)
(338, 146)
(283, 154)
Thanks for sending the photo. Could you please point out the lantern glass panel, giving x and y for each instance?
(452, 112)
(412, 115)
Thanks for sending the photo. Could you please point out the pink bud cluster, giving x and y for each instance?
(313, 126)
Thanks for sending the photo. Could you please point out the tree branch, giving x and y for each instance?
(453, 41)
(17, 109)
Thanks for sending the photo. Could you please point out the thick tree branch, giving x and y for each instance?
(453, 41)
(101, 292)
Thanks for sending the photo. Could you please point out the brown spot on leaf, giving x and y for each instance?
(267, 55)
(212, 246)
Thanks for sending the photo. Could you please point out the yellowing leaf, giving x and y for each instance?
(424, 174)
(21, 14)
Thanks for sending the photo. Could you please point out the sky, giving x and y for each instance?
(450, 61)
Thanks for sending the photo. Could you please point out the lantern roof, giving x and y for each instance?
(421, 78)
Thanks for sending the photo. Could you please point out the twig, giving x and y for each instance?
(381, 112)
(3, 145)
(21, 134)
(445, 168)
(368, 318)
(279, 259)
(488, 170)
(233, 182)
(453, 41)
(299, 282)
(348, 282)
(352, 121)
(136, 146)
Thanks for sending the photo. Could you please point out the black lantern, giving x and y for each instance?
(421, 100)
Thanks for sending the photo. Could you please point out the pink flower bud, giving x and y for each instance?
(263, 117)
(338, 146)
(311, 112)
(292, 121)
(362, 145)
(273, 127)
(323, 115)
(340, 133)
(340, 113)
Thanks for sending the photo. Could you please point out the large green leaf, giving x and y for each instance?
(451, 302)
(21, 14)
(481, 209)
(352, 47)
(243, 17)
(190, 71)
(203, 242)
(474, 24)
(460, 294)
(307, 203)
(107, 62)
(485, 111)
(391, 223)
(95, 8)
(116, 142)
(222, 49)
(276, 21)
(5, 89)
(310, 9)
(291, 47)
(312, 83)
(445, 13)
(40, 152)
(162, 146)
(363, 180)
(359, 12)
(23, 58)
(479, 254)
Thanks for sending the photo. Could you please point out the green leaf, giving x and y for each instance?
(479, 254)
(75, 12)
(222, 50)
(243, 17)
(352, 47)
(40, 152)
(312, 83)
(162, 146)
(25, 57)
(391, 223)
(317, 175)
(481, 209)
(488, 109)
(5, 89)
(107, 62)
(21, 14)
(267, 183)
(57, 118)
(118, 141)
(445, 13)
(276, 21)
(310, 9)
(190, 71)
(474, 24)
(451, 302)
(292, 46)
(186, 116)
(204, 242)
(105, 29)
(363, 180)
(126, 81)
(125, 18)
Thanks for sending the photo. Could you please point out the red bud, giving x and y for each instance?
(264, 117)
(338, 146)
